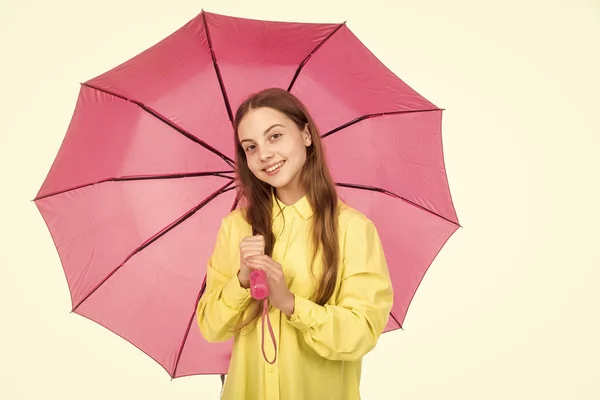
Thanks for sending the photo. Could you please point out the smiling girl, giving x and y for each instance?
(329, 288)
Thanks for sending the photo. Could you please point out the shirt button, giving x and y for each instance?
(271, 368)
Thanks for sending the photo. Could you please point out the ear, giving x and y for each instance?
(306, 136)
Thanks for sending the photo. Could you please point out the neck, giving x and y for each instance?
(288, 196)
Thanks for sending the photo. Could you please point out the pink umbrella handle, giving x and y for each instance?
(259, 288)
(266, 313)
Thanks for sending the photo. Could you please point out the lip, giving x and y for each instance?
(270, 165)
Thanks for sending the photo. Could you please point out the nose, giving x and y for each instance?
(265, 153)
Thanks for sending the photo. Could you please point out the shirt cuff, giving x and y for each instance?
(234, 295)
(306, 313)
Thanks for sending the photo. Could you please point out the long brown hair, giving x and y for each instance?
(315, 179)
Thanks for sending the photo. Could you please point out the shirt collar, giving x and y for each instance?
(302, 206)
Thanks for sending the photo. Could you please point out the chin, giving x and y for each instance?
(277, 185)
(276, 182)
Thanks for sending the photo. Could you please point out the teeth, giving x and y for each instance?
(274, 167)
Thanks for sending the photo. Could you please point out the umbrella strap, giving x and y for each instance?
(265, 313)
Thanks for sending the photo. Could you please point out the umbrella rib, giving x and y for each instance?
(368, 116)
(158, 116)
(187, 331)
(380, 190)
(396, 320)
(200, 293)
(303, 63)
(217, 70)
(220, 174)
(158, 235)
(235, 203)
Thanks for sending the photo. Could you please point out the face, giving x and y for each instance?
(275, 147)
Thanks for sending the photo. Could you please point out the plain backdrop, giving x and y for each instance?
(508, 310)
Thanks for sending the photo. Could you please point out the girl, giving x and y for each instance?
(329, 288)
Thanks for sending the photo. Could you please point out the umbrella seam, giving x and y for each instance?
(375, 115)
(217, 70)
(157, 236)
(219, 174)
(165, 120)
(387, 192)
(303, 63)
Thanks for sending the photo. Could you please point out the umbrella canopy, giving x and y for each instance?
(137, 191)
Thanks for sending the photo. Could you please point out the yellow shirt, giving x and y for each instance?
(319, 348)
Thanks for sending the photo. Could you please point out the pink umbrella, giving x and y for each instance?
(135, 196)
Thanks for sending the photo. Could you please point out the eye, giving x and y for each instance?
(275, 135)
(249, 148)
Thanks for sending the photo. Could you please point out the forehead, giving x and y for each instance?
(257, 120)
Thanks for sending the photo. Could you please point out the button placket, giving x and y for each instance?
(272, 370)
(290, 217)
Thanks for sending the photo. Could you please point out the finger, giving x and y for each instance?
(246, 254)
(254, 259)
(262, 257)
(268, 260)
(274, 274)
(260, 249)
(262, 267)
(247, 262)
(252, 247)
(253, 239)
(252, 251)
(255, 264)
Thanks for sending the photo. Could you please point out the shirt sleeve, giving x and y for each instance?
(224, 299)
(349, 329)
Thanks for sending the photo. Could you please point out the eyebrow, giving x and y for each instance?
(264, 133)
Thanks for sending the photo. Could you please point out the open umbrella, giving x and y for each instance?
(137, 191)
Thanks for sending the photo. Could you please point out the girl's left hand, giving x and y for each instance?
(279, 294)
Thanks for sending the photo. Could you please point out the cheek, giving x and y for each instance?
(300, 153)
(252, 162)
(295, 151)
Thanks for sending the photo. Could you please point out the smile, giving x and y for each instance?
(275, 167)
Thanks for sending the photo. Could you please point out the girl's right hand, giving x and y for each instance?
(249, 246)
